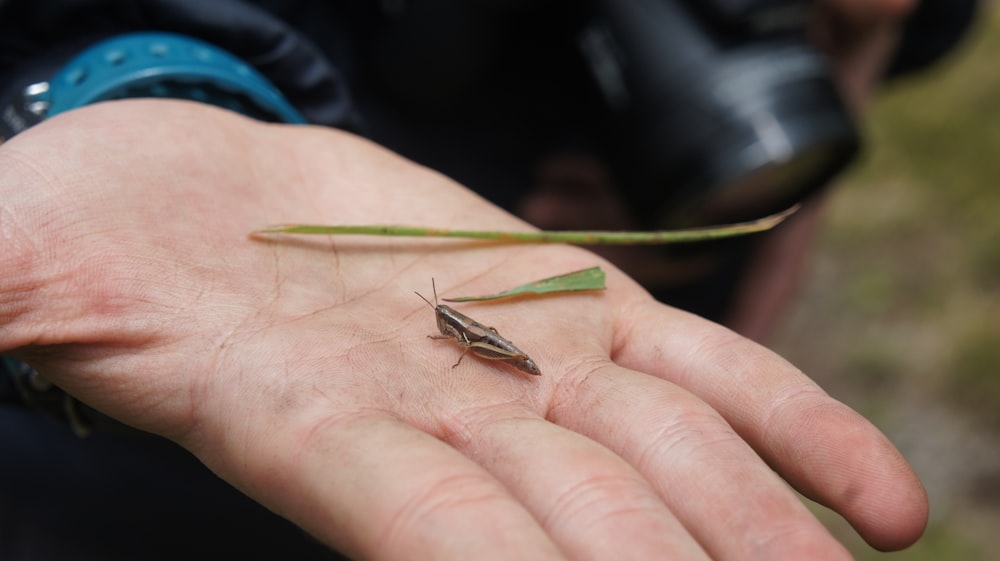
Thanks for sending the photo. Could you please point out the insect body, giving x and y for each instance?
(481, 340)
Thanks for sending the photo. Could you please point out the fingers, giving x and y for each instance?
(860, 38)
(827, 451)
(380, 489)
(592, 503)
(735, 506)
(866, 12)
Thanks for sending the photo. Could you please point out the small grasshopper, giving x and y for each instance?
(483, 341)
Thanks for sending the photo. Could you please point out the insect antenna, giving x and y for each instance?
(424, 299)
(434, 305)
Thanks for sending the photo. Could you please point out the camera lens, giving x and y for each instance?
(716, 126)
(774, 130)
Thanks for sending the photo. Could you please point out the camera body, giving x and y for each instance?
(725, 111)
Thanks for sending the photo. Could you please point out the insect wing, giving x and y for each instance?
(517, 359)
(494, 347)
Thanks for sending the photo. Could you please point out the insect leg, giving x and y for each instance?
(460, 357)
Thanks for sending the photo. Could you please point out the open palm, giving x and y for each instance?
(300, 371)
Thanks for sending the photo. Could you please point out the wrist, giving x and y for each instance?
(157, 65)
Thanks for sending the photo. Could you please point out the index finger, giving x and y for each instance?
(826, 450)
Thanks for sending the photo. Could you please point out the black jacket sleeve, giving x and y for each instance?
(38, 36)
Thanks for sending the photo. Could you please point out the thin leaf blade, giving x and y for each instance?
(581, 237)
(592, 278)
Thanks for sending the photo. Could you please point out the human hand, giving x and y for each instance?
(300, 371)
(861, 37)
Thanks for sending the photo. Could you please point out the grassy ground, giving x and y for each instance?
(900, 315)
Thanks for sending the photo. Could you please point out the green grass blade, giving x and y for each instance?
(585, 279)
(585, 237)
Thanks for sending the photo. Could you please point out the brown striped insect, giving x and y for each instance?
(477, 338)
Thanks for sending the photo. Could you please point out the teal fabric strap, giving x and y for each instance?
(158, 65)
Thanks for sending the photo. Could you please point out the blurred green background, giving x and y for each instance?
(900, 312)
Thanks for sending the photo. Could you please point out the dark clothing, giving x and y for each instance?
(479, 90)
(128, 496)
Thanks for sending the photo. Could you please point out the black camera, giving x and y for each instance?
(727, 112)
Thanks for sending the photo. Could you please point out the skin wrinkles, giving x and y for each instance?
(571, 386)
(683, 431)
(463, 491)
(587, 502)
(795, 542)
(21, 256)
